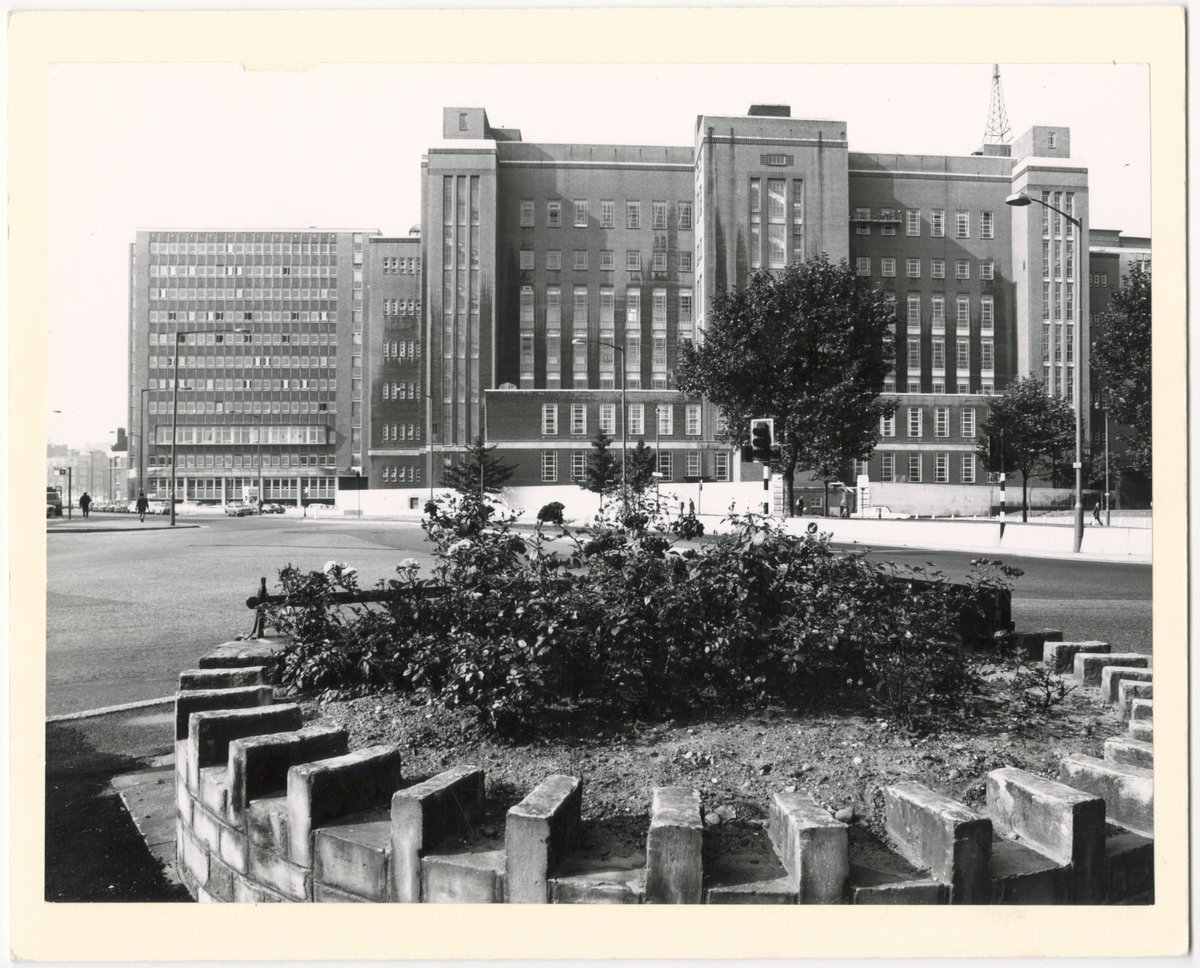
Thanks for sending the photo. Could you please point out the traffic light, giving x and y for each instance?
(995, 458)
(762, 439)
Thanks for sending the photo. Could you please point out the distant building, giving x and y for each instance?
(271, 327)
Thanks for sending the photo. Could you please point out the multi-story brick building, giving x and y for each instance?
(268, 326)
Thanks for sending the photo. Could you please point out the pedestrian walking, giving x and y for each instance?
(142, 505)
(85, 502)
(1096, 514)
(800, 507)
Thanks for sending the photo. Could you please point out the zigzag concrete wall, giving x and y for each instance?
(268, 809)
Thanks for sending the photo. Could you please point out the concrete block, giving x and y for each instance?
(917, 891)
(206, 829)
(222, 678)
(1059, 656)
(213, 790)
(183, 801)
(939, 834)
(1032, 645)
(201, 700)
(1142, 729)
(1141, 709)
(1128, 691)
(1128, 791)
(210, 733)
(538, 833)
(1064, 824)
(253, 652)
(463, 877)
(1089, 666)
(812, 846)
(324, 894)
(268, 868)
(1130, 752)
(609, 887)
(674, 862)
(1112, 677)
(325, 790)
(1023, 876)
(220, 880)
(233, 848)
(267, 824)
(193, 857)
(425, 814)
(246, 891)
(1130, 862)
(258, 765)
(776, 890)
(354, 855)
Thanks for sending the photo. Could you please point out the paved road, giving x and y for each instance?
(126, 611)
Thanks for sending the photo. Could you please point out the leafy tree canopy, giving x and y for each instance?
(639, 472)
(1038, 430)
(464, 473)
(602, 474)
(1121, 359)
(810, 346)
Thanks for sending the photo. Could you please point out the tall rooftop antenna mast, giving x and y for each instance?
(998, 131)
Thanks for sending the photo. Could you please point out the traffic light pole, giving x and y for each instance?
(1002, 484)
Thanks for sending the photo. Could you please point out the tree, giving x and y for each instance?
(1038, 430)
(1121, 359)
(464, 474)
(602, 475)
(809, 346)
(640, 468)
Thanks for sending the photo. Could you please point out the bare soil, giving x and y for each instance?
(737, 758)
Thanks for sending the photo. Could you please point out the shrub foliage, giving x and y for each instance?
(621, 619)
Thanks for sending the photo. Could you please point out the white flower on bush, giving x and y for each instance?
(461, 545)
(330, 567)
(339, 568)
(409, 564)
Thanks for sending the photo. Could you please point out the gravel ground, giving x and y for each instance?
(737, 758)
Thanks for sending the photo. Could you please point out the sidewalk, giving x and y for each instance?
(112, 522)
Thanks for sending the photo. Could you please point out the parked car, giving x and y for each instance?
(53, 502)
(236, 509)
(270, 508)
(881, 513)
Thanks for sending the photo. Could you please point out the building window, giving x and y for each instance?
(941, 421)
(887, 467)
(721, 465)
(912, 268)
(914, 421)
(637, 419)
(914, 468)
(549, 467)
(581, 213)
(685, 261)
(526, 213)
(578, 464)
(685, 215)
(526, 259)
(968, 421)
(887, 426)
(912, 221)
(888, 220)
(554, 214)
(776, 246)
(666, 420)
(987, 270)
(549, 419)
(987, 313)
(962, 269)
(633, 215)
(962, 314)
(941, 468)
(968, 468)
(862, 266)
(937, 268)
(608, 210)
(862, 221)
(887, 268)
(608, 418)
(962, 349)
(607, 262)
(937, 305)
(658, 216)
(913, 305)
(987, 354)
(666, 466)
(692, 419)
(939, 354)
(658, 261)
(580, 262)
(578, 418)
(633, 260)
(553, 260)
(987, 225)
(962, 224)
(693, 463)
(937, 223)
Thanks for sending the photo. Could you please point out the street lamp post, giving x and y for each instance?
(1021, 200)
(579, 341)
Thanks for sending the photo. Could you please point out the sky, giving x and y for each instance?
(339, 146)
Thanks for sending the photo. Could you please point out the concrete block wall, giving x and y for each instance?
(268, 809)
